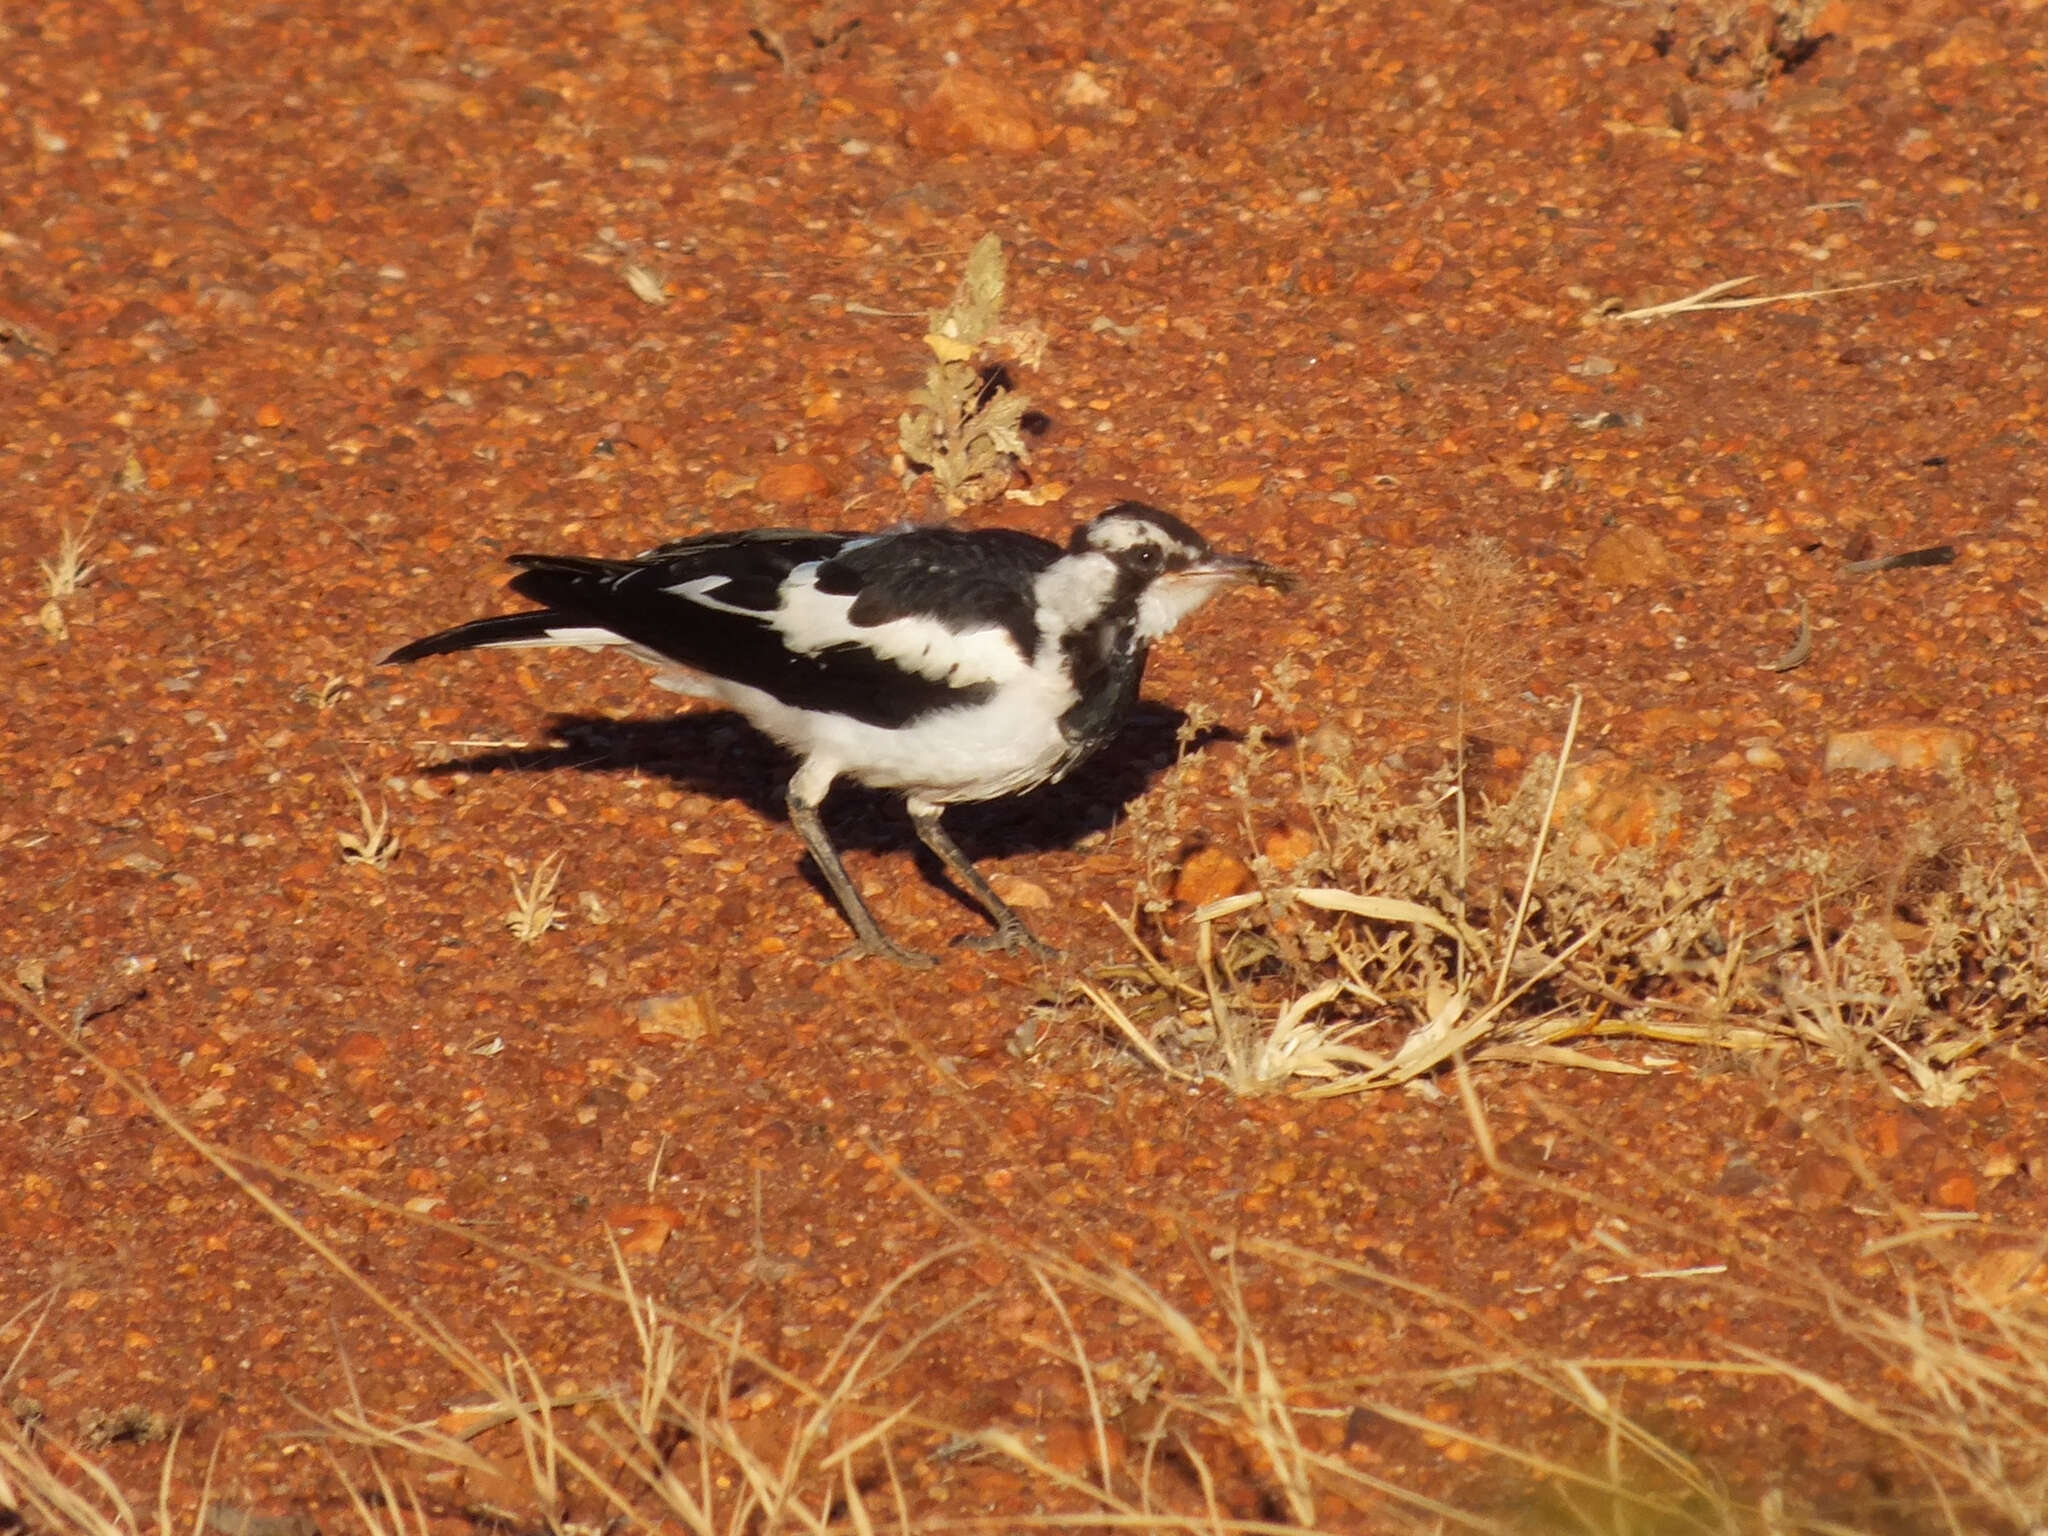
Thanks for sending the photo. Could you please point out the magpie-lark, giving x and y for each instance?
(943, 664)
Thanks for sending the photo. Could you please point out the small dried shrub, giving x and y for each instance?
(1745, 43)
(535, 912)
(802, 44)
(1420, 929)
(967, 423)
(375, 845)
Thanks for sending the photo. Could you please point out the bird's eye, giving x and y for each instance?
(1147, 557)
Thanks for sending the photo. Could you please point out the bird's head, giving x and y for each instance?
(1168, 566)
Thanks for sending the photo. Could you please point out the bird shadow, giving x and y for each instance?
(716, 753)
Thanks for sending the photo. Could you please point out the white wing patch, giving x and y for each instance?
(698, 590)
(810, 621)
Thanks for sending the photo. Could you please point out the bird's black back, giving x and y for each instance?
(960, 580)
(965, 579)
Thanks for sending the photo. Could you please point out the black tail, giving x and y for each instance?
(566, 583)
(554, 581)
(467, 637)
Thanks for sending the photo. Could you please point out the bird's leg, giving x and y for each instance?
(1010, 930)
(803, 815)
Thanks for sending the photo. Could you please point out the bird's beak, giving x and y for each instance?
(1242, 568)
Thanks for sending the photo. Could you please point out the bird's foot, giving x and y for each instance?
(1008, 936)
(881, 947)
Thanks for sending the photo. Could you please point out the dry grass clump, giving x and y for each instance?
(1970, 1362)
(1195, 1419)
(70, 571)
(1424, 926)
(535, 912)
(1426, 922)
(47, 1485)
(1468, 645)
(374, 845)
(704, 1434)
(1928, 963)
(1193, 1427)
(967, 424)
(1955, 1380)
(1193, 1423)
(66, 575)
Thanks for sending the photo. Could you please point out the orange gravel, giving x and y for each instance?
(310, 314)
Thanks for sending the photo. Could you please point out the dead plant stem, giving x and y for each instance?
(1564, 756)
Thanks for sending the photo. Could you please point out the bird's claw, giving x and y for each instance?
(880, 948)
(1009, 937)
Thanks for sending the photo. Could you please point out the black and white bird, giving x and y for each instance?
(946, 665)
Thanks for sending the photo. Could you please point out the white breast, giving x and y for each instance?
(1005, 744)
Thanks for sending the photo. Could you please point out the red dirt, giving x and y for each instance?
(322, 308)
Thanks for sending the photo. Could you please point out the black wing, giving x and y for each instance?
(937, 617)
(965, 580)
